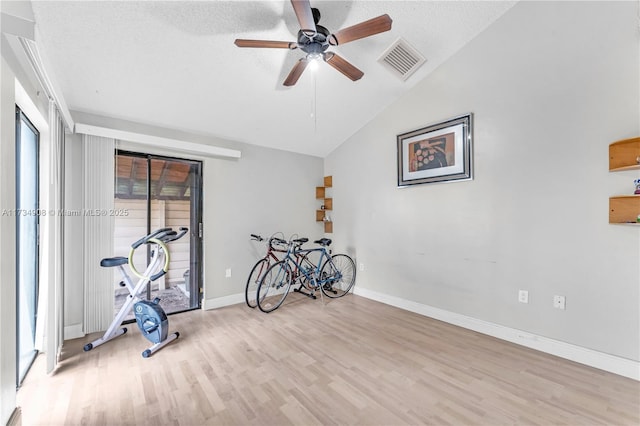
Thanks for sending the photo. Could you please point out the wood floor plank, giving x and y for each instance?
(329, 362)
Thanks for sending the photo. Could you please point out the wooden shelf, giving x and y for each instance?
(624, 208)
(624, 155)
(327, 202)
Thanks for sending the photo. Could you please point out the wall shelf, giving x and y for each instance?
(624, 208)
(624, 155)
(327, 204)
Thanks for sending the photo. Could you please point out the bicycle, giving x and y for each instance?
(274, 245)
(334, 274)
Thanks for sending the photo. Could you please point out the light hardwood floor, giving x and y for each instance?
(347, 361)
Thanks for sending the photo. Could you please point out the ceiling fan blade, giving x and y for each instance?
(305, 16)
(343, 66)
(296, 72)
(363, 29)
(266, 43)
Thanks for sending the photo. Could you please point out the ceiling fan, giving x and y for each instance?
(314, 40)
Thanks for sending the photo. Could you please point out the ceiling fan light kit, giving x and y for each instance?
(314, 40)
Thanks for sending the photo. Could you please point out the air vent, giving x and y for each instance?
(402, 59)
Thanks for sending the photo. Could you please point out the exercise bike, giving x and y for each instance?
(150, 317)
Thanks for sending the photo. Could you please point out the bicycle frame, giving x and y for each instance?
(297, 256)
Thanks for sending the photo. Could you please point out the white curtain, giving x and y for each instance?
(50, 318)
(56, 300)
(99, 160)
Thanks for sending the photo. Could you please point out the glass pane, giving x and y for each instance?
(27, 243)
(170, 187)
(130, 224)
(171, 207)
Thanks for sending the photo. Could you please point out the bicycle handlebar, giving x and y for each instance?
(279, 241)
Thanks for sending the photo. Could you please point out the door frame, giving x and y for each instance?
(195, 225)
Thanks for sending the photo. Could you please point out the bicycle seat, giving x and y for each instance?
(113, 261)
(325, 242)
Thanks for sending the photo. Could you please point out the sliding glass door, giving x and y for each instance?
(27, 141)
(155, 192)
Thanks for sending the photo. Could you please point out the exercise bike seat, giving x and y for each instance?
(108, 262)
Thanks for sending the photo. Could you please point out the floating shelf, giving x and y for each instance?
(624, 155)
(624, 208)
(328, 227)
(327, 202)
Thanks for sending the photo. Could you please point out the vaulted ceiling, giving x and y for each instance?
(174, 64)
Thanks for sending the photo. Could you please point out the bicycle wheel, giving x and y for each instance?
(251, 288)
(274, 286)
(338, 275)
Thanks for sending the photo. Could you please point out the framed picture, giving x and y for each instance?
(440, 152)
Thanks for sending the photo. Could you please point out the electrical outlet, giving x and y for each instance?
(559, 302)
(523, 296)
(227, 273)
(361, 266)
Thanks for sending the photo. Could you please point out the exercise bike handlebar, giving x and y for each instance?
(160, 237)
(146, 238)
(173, 235)
(165, 235)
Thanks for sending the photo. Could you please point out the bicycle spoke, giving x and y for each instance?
(274, 287)
(253, 281)
(337, 276)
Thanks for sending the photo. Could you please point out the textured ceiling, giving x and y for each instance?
(173, 64)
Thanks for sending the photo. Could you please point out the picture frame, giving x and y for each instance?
(440, 152)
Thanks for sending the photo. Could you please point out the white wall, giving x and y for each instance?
(7, 246)
(550, 85)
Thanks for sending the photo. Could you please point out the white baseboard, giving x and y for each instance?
(220, 302)
(73, 331)
(613, 364)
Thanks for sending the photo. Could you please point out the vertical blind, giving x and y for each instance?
(98, 231)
